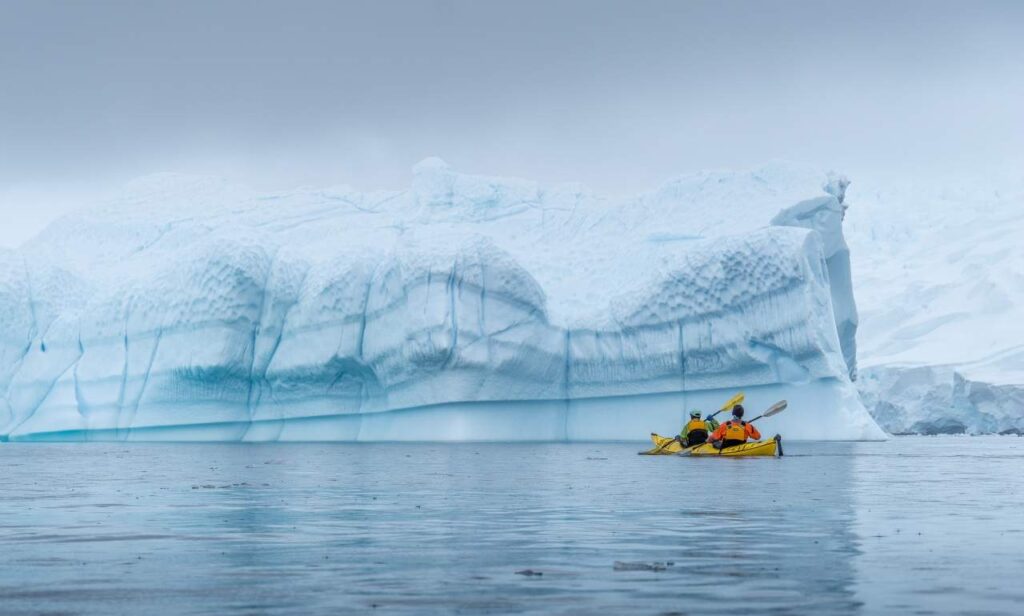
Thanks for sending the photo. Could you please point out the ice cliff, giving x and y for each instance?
(466, 307)
(940, 282)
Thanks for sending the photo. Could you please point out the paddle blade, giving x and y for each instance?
(737, 399)
(775, 409)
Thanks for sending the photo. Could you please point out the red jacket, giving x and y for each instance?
(748, 429)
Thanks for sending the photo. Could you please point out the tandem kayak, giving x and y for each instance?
(755, 448)
(664, 446)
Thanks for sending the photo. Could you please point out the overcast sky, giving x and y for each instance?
(618, 95)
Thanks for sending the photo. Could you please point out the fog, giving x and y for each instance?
(620, 96)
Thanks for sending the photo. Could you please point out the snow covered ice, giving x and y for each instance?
(940, 280)
(464, 308)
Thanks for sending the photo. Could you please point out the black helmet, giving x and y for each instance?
(737, 411)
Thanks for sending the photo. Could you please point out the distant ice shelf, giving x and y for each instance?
(464, 308)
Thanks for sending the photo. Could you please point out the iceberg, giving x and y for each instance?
(463, 308)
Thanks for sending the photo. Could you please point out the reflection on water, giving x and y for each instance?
(832, 528)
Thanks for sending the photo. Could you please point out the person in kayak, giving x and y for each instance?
(735, 431)
(696, 431)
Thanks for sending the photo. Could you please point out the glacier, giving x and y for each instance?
(940, 286)
(463, 308)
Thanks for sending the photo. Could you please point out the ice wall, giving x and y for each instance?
(464, 308)
(940, 272)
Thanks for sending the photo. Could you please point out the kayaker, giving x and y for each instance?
(735, 431)
(696, 431)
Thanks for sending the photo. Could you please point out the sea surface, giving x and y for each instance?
(928, 525)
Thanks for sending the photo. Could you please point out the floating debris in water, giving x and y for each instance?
(529, 572)
(621, 566)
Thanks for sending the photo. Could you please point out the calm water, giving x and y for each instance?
(914, 525)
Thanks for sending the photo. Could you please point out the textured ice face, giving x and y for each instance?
(940, 400)
(466, 307)
(825, 215)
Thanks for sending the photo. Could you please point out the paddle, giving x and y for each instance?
(738, 398)
(774, 409)
(731, 402)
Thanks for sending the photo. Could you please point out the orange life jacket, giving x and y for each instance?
(735, 431)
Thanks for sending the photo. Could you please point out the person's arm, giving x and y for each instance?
(685, 431)
(718, 434)
(712, 424)
(752, 432)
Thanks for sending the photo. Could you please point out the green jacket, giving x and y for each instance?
(709, 424)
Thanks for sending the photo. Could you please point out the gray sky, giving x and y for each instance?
(619, 95)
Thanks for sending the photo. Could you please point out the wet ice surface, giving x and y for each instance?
(914, 525)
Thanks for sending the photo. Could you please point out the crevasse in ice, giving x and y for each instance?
(464, 308)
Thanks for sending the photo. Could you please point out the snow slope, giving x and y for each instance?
(465, 307)
(939, 272)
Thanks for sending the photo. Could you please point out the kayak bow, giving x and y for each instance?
(663, 446)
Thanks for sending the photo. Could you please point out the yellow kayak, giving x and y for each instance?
(755, 448)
